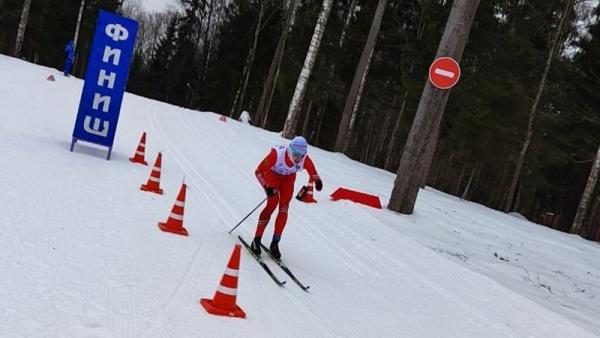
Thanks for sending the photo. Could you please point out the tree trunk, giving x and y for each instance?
(341, 41)
(422, 138)
(239, 102)
(22, 27)
(367, 150)
(296, 102)
(306, 118)
(208, 46)
(378, 134)
(461, 176)
(518, 199)
(262, 112)
(521, 160)
(347, 23)
(593, 218)
(597, 237)
(496, 195)
(203, 46)
(350, 127)
(468, 187)
(593, 221)
(587, 196)
(443, 169)
(207, 60)
(385, 130)
(79, 16)
(320, 114)
(360, 76)
(389, 161)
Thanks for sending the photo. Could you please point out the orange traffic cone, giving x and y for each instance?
(223, 303)
(174, 223)
(306, 193)
(223, 118)
(50, 78)
(140, 152)
(153, 184)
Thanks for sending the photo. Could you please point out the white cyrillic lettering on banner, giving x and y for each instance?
(99, 99)
(117, 32)
(103, 77)
(115, 53)
(95, 130)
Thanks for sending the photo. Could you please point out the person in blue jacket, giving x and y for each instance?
(70, 57)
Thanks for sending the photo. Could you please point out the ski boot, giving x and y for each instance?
(255, 246)
(274, 248)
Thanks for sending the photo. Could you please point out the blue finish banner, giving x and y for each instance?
(105, 80)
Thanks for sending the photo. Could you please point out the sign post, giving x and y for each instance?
(444, 73)
(105, 80)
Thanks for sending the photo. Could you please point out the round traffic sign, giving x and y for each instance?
(444, 72)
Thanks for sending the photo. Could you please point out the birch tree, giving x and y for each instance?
(76, 36)
(22, 26)
(360, 76)
(532, 113)
(296, 102)
(582, 208)
(423, 135)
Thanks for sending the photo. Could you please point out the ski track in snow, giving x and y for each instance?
(198, 183)
(165, 308)
(181, 157)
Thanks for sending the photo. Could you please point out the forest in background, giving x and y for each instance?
(222, 56)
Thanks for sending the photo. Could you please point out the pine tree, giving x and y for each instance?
(358, 83)
(159, 70)
(420, 146)
(532, 114)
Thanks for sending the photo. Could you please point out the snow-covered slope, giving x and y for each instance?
(81, 253)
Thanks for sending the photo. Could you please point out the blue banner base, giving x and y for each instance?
(74, 140)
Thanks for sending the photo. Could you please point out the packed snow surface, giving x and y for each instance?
(82, 256)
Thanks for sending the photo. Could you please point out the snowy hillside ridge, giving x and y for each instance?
(82, 254)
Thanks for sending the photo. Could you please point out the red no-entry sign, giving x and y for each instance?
(444, 72)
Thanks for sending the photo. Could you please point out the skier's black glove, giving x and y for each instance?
(318, 184)
(270, 191)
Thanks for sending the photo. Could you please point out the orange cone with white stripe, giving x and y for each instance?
(153, 184)
(140, 152)
(174, 223)
(223, 303)
(306, 193)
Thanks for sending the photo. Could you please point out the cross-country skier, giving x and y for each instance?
(277, 173)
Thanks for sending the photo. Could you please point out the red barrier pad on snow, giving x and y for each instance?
(356, 196)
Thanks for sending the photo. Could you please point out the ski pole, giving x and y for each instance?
(250, 213)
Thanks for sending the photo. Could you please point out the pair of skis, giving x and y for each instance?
(279, 263)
